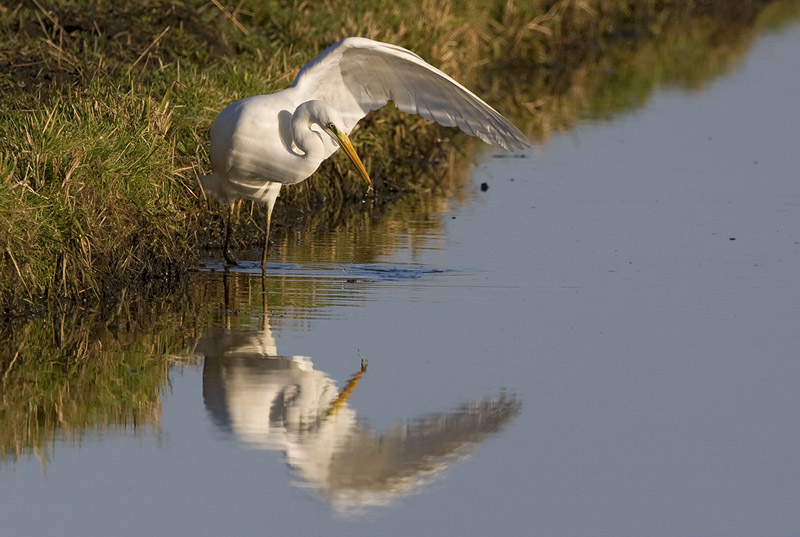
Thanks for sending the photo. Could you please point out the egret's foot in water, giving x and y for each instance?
(229, 259)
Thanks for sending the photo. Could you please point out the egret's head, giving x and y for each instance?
(344, 141)
(330, 121)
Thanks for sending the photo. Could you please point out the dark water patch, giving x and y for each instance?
(354, 273)
(394, 273)
(246, 267)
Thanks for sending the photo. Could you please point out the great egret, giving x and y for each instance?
(284, 403)
(263, 142)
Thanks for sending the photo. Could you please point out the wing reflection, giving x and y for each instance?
(282, 403)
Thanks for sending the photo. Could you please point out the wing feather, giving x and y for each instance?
(358, 75)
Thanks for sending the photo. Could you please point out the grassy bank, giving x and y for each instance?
(105, 109)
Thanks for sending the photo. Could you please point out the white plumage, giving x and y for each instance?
(265, 141)
(358, 75)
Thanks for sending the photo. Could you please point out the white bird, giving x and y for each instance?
(283, 403)
(263, 142)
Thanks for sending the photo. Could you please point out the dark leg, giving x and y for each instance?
(226, 250)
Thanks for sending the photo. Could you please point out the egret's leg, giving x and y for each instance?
(226, 250)
(266, 238)
(273, 190)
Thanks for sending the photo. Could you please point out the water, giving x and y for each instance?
(602, 343)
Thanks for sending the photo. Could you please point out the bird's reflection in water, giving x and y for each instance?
(283, 403)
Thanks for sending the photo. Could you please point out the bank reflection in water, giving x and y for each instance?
(282, 403)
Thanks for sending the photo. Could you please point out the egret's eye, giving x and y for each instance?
(332, 127)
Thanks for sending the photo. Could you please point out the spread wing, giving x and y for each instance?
(358, 75)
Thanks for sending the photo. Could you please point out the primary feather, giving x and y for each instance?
(358, 75)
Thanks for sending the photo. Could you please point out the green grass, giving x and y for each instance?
(105, 109)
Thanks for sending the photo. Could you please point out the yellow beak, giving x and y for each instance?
(347, 145)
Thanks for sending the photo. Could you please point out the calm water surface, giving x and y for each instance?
(605, 342)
